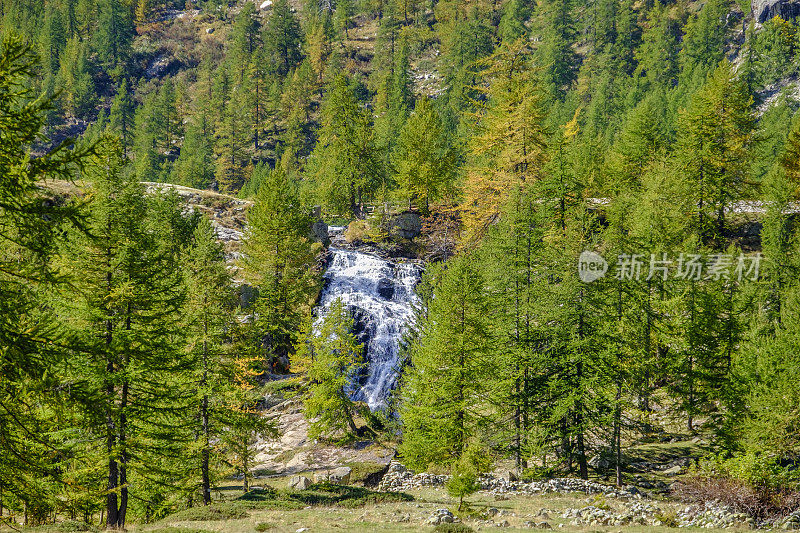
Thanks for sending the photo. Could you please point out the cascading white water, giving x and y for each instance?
(380, 295)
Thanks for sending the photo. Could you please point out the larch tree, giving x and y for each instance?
(124, 310)
(425, 160)
(31, 230)
(446, 386)
(346, 167)
(279, 258)
(334, 357)
(508, 147)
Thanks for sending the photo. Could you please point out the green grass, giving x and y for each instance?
(317, 495)
(68, 526)
(453, 528)
(171, 529)
(359, 471)
(216, 511)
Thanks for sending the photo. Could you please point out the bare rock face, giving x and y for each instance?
(407, 225)
(763, 10)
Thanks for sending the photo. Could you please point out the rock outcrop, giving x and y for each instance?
(763, 10)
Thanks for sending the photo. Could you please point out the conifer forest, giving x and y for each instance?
(277, 259)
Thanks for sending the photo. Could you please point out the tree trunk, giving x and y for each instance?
(206, 440)
(618, 436)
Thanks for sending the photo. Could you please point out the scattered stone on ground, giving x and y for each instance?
(712, 515)
(791, 521)
(441, 516)
(398, 479)
(635, 513)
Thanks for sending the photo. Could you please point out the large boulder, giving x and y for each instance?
(385, 288)
(407, 225)
(319, 229)
(763, 10)
(299, 483)
(319, 232)
(337, 476)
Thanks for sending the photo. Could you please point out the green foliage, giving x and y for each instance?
(334, 357)
(208, 513)
(282, 38)
(465, 472)
(345, 167)
(453, 528)
(754, 470)
(440, 415)
(31, 229)
(551, 104)
(424, 158)
(280, 260)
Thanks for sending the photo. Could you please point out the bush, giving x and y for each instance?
(749, 483)
(68, 526)
(220, 511)
(357, 232)
(464, 476)
(453, 528)
(265, 526)
(668, 518)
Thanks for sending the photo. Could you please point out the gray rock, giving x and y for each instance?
(299, 483)
(441, 516)
(337, 476)
(763, 10)
(385, 288)
(319, 232)
(407, 225)
(674, 471)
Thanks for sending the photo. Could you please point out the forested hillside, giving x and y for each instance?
(608, 193)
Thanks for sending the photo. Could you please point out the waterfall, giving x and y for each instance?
(379, 294)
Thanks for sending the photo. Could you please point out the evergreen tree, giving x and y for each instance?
(657, 57)
(279, 259)
(345, 166)
(32, 456)
(335, 359)
(282, 38)
(115, 32)
(195, 164)
(444, 390)
(79, 90)
(125, 310)
(424, 159)
(555, 54)
(715, 136)
(512, 25)
(219, 375)
(122, 115)
(509, 145)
